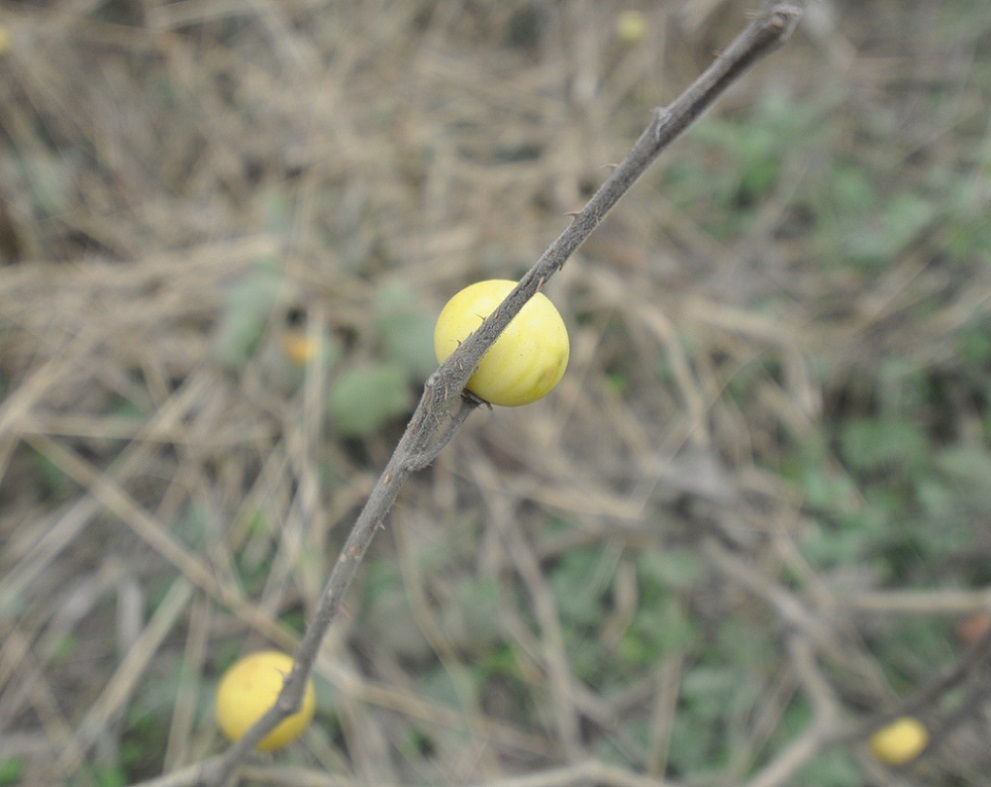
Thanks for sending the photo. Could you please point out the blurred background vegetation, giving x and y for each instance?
(753, 516)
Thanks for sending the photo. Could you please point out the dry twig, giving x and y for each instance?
(443, 408)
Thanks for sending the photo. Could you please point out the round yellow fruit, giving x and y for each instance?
(298, 347)
(249, 688)
(899, 742)
(526, 361)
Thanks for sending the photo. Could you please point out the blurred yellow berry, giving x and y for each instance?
(899, 742)
(298, 347)
(631, 27)
(249, 688)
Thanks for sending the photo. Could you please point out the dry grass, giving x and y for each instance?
(160, 512)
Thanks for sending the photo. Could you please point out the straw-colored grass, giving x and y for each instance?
(163, 508)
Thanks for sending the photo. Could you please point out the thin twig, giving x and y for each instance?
(443, 394)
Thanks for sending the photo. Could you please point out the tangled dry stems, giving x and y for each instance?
(161, 462)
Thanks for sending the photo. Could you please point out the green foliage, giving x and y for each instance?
(909, 649)
(668, 569)
(249, 306)
(831, 769)
(470, 617)
(108, 775)
(891, 487)
(147, 721)
(661, 624)
(583, 582)
(365, 397)
(745, 643)
(974, 344)
(698, 735)
(876, 446)
(11, 770)
(579, 588)
(873, 244)
(741, 165)
(55, 483)
(366, 394)
(407, 333)
(63, 649)
(898, 498)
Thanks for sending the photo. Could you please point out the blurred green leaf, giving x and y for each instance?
(450, 688)
(709, 686)
(409, 340)
(657, 629)
(110, 776)
(832, 769)
(749, 645)
(56, 483)
(827, 547)
(676, 569)
(911, 647)
(851, 190)
(882, 236)
(827, 489)
(968, 468)
(249, 305)
(697, 740)
(11, 770)
(577, 592)
(387, 619)
(366, 397)
(872, 444)
(974, 343)
(471, 620)
(407, 333)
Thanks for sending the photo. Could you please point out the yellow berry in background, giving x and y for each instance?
(899, 742)
(298, 347)
(631, 27)
(526, 361)
(249, 688)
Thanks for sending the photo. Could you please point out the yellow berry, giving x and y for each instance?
(526, 361)
(298, 347)
(899, 742)
(249, 688)
(631, 27)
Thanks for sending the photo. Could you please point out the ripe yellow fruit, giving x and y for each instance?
(298, 347)
(899, 742)
(526, 361)
(249, 688)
